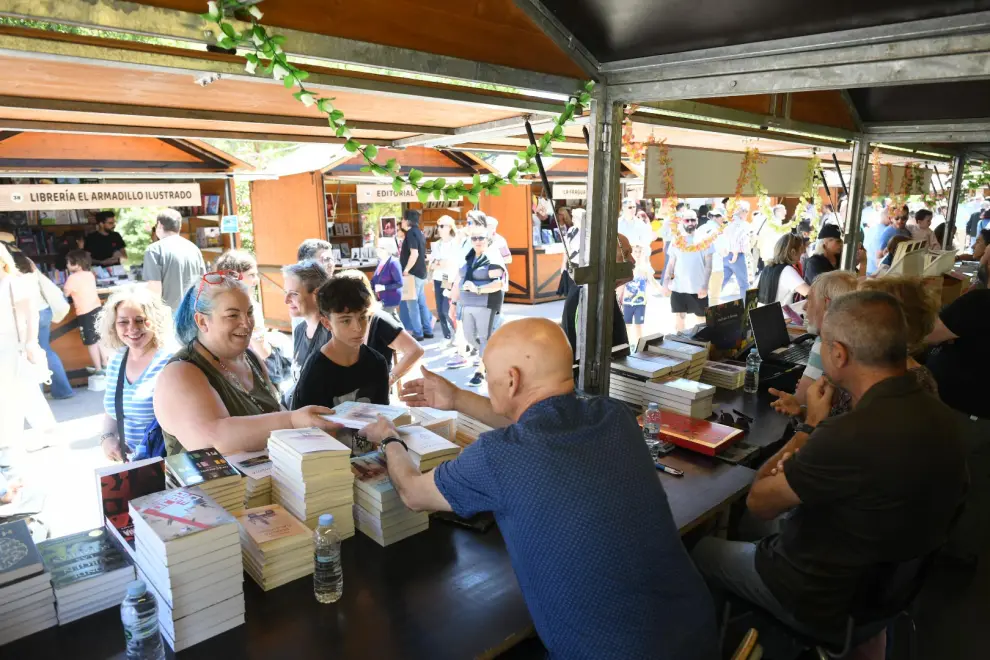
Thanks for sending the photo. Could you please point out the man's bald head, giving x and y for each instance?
(527, 361)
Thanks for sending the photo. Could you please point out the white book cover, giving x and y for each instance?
(425, 443)
(356, 414)
(255, 465)
(302, 442)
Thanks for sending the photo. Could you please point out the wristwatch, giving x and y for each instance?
(804, 427)
(387, 441)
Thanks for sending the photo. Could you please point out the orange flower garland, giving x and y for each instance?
(876, 172)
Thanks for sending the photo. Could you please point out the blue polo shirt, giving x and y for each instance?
(589, 531)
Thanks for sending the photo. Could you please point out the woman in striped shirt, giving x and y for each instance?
(137, 324)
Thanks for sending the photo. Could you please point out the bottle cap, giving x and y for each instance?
(326, 519)
(136, 589)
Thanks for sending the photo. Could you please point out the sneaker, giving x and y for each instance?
(417, 337)
(457, 361)
(474, 352)
(476, 380)
(476, 362)
(427, 336)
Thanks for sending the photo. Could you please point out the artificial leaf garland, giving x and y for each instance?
(810, 196)
(876, 173)
(636, 151)
(268, 47)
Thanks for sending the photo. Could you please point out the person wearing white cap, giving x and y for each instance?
(734, 244)
(685, 279)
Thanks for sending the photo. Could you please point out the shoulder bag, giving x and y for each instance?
(35, 373)
(53, 296)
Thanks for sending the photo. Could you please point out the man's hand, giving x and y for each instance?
(786, 403)
(111, 448)
(703, 293)
(779, 468)
(819, 401)
(312, 416)
(470, 287)
(665, 290)
(431, 390)
(378, 431)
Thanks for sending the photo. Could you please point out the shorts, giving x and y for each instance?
(635, 314)
(87, 327)
(688, 303)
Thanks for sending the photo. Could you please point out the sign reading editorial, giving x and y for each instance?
(51, 197)
(371, 194)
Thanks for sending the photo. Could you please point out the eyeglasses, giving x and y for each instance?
(216, 277)
(479, 238)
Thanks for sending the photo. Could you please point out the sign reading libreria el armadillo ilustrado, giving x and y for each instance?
(51, 197)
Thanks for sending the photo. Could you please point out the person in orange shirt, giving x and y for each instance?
(81, 288)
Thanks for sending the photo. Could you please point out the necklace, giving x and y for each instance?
(232, 377)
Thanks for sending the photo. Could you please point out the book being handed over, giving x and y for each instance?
(356, 415)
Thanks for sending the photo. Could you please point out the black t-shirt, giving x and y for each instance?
(102, 247)
(414, 241)
(877, 485)
(957, 365)
(303, 347)
(569, 321)
(325, 383)
(816, 265)
(382, 332)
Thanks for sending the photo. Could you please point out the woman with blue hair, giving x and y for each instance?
(215, 391)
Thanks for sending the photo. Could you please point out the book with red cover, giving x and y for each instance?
(118, 485)
(698, 435)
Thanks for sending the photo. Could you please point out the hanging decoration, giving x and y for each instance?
(907, 183)
(876, 173)
(669, 203)
(810, 201)
(635, 151)
(265, 50)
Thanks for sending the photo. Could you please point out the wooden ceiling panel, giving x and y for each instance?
(82, 147)
(493, 31)
(73, 81)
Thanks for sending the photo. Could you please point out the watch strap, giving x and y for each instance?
(804, 427)
(387, 441)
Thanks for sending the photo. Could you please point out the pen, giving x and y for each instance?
(669, 470)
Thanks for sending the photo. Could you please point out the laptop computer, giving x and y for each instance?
(772, 340)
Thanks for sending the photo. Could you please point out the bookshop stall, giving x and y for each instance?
(341, 204)
(52, 185)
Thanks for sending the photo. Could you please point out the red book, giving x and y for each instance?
(698, 435)
(119, 484)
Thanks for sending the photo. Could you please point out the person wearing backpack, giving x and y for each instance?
(780, 279)
(138, 326)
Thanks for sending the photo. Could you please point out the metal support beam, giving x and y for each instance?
(977, 130)
(699, 111)
(143, 19)
(851, 107)
(930, 51)
(955, 195)
(852, 234)
(488, 129)
(198, 62)
(546, 21)
(598, 243)
(675, 122)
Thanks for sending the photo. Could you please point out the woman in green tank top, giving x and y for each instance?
(215, 392)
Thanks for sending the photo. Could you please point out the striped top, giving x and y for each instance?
(139, 410)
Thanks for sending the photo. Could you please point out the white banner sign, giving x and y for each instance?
(570, 191)
(384, 194)
(51, 197)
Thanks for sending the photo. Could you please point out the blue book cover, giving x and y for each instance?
(19, 558)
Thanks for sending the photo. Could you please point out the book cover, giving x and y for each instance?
(371, 475)
(268, 524)
(697, 435)
(252, 464)
(173, 514)
(192, 468)
(119, 484)
(83, 556)
(308, 441)
(425, 443)
(357, 415)
(680, 349)
(19, 558)
(646, 365)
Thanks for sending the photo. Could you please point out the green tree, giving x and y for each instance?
(136, 226)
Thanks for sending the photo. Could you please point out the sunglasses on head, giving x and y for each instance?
(216, 277)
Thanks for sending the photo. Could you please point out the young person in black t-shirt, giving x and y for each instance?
(344, 369)
(105, 246)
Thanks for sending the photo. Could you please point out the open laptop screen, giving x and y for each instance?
(769, 329)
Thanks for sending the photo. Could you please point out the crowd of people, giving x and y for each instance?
(855, 491)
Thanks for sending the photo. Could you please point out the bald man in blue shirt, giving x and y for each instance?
(577, 499)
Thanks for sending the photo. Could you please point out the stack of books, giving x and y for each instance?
(256, 466)
(188, 551)
(275, 546)
(311, 475)
(209, 471)
(441, 422)
(426, 448)
(728, 374)
(378, 511)
(89, 572)
(468, 429)
(118, 485)
(695, 354)
(27, 604)
(672, 394)
(633, 379)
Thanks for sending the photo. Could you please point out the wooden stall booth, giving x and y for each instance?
(335, 201)
(52, 185)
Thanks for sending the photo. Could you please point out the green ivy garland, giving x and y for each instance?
(268, 47)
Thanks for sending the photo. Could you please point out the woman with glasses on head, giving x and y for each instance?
(214, 392)
(444, 261)
(138, 326)
(480, 277)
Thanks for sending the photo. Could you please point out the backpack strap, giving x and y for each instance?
(118, 404)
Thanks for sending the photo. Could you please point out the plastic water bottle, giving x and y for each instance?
(753, 362)
(651, 433)
(139, 613)
(328, 578)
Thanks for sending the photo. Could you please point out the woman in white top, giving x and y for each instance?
(20, 397)
(444, 262)
(780, 279)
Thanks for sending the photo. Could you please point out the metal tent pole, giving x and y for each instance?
(852, 235)
(955, 194)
